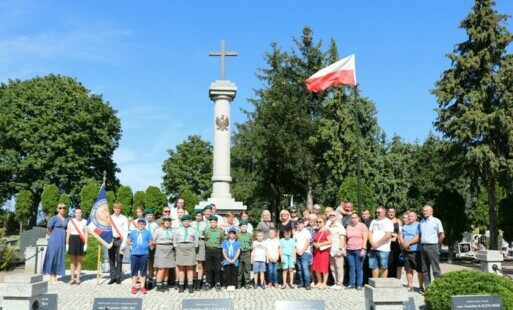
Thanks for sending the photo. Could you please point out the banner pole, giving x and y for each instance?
(98, 266)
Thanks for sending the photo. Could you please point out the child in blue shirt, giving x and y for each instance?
(288, 258)
(141, 240)
(231, 252)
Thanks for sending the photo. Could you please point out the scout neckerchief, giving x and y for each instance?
(139, 237)
(213, 237)
(244, 237)
(197, 227)
(78, 230)
(185, 234)
(167, 233)
(149, 226)
(230, 248)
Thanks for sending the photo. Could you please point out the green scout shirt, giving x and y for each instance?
(245, 240)
(214, 237)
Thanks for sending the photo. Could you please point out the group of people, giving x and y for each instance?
(205, 250)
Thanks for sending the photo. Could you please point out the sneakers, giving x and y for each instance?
(349, 287)
(284, 286)
(359, 288)
(249, 286)
(134, 290)
(218, 287)
(144, 290)
(308, 287)
(255, 286)
(230, 288)
(421, 291)
(206, 286)
(291, 285)
(262, 286)
(336, 287)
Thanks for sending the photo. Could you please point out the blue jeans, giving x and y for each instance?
(272, 273)
(355, 262)
(303, 268)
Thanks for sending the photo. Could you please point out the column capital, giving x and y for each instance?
(222, 88)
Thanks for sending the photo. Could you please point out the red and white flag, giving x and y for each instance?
(340, 73)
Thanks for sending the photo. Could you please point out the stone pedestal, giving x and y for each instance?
(491, 261)
(35, 256)
(22, 291)
(222, 92)
(385, 294)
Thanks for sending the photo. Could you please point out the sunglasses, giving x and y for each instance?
(167, 211)
(61, 208)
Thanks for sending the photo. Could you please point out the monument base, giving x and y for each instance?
(223, 205)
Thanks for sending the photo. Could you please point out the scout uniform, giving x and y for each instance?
(185, 241)
(164, 253)
(213, 239)
(199, 227)
(246, 244)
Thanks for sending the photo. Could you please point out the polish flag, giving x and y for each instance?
(340, 73)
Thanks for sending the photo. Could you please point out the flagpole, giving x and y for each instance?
(100, 245)
(357, 133)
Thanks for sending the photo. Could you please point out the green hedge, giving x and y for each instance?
(466, 282)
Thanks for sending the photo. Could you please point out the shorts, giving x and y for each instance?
(378, 259)
(138, 263)
(288, 262)
(258, 266)
(412, 261)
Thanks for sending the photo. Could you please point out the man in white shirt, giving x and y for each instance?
(304, 256)
(380, 234)
(119, 233)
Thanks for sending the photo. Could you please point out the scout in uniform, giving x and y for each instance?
(164, 254)
(231, 253)
(151, 226)
(214, 236)
(140, 240)
(246, 244)
(185, 241)
(199, 226)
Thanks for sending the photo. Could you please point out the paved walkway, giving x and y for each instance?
(82, 297)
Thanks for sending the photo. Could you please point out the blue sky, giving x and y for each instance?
(149, 59)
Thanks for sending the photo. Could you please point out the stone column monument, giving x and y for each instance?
(222, 92)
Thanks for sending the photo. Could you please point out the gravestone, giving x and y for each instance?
(29, 238)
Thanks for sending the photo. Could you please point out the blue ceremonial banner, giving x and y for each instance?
(99, 220)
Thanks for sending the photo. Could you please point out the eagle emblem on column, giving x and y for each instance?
(222, 122)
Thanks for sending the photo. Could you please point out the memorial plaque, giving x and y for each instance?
(207, 304)
(476, 302)
(48, 302)
(117, 304)
(300, 304)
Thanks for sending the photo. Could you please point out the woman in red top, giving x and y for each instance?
(321, 256)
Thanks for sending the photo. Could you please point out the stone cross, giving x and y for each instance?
(222, 53)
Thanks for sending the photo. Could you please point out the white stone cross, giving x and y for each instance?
(222, 53)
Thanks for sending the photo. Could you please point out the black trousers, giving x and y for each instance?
(115, 259)
(231, 274)
(213, 264)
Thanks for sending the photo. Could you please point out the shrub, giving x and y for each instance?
(466, 282)
(8, 257)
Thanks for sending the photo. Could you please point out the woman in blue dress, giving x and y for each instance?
(54, 258)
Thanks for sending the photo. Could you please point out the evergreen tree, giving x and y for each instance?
(88, 195)
(50, 198)
(139, 198)
(126, 198)
(23, 207)
(155, 199)
(474, 98)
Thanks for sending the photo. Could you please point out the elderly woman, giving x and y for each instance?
(54, 257)
(285, 224)
(265, 224)
(321, 257)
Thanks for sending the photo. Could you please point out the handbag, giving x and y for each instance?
(324, 247)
